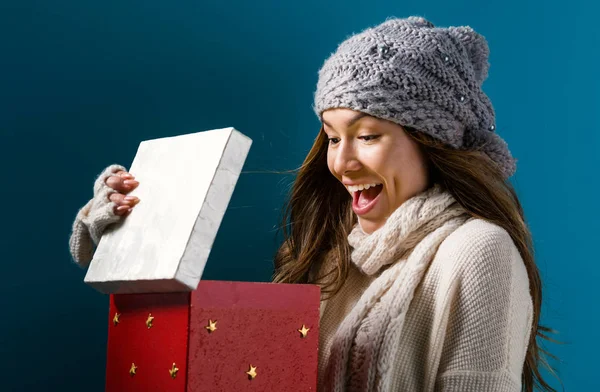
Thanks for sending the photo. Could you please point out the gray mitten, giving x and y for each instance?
(93, 218)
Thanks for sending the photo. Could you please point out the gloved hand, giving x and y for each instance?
(108, 205)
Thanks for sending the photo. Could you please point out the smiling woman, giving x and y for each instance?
(403, 213)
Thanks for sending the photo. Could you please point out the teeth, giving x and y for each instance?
(356, 188)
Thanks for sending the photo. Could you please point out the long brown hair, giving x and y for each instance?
(318, 218)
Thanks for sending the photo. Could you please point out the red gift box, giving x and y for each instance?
(223, 336)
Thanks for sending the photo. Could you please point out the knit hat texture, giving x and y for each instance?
(417, 75)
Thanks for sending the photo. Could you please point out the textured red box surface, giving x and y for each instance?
(257, 324)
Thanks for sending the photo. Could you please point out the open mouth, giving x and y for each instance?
(364, 200)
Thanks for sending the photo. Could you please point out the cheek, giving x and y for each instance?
(397, 164)
(384, 161)
(408, 170)
(375, 158)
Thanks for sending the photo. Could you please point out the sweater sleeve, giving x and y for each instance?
(93, 218)
(490, 316)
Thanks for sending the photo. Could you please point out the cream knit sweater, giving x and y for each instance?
(458, 320)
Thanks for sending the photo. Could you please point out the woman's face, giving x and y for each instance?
(377, 161)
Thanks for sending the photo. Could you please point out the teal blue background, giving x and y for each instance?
(83, 82)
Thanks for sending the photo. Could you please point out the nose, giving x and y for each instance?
(346, 159)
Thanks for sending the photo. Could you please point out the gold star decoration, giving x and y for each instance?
(173, 371)
(116, 318)
(304, 331)
(132, 369)
(149, 320)
(212, 326)
(252, 372)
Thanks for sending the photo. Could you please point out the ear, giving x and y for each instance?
(477, 49)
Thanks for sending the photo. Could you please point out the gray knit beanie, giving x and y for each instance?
(416, 75)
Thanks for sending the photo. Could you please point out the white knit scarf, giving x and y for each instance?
(364, 347)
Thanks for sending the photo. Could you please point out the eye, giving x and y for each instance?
(369, 138)
(333, 140)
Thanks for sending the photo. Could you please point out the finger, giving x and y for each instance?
(117, 198)
(131, 200)
(125, 175)
(122, 210)
(120, 184)
(128, 212)
(120, 199)
(130, 185)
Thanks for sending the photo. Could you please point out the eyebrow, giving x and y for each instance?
(353, 120)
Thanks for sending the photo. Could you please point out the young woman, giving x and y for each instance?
(403, 213)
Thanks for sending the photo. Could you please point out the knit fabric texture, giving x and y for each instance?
(93, 218)
(454, 314)
(414, 74)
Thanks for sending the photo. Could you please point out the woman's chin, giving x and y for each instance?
(371, 222)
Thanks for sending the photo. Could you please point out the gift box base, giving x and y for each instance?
(223, 336)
